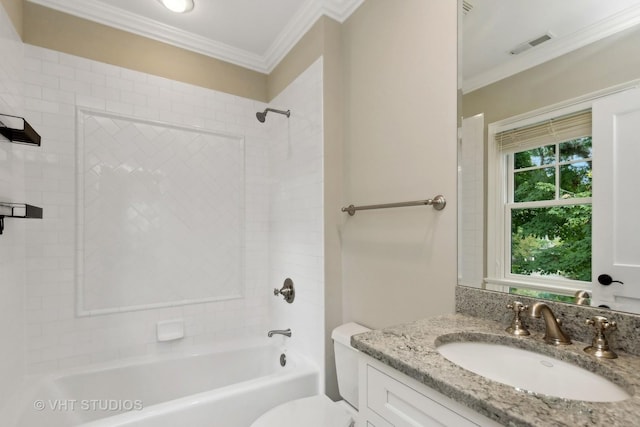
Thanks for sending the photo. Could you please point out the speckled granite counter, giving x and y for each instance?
(411, 349)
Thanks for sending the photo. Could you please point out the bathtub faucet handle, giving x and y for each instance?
(287, 291)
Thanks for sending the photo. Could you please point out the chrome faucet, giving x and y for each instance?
(553, 332)
(285, 332)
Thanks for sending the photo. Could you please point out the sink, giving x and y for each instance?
(529, 371)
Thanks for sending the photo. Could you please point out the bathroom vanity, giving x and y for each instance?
(405, 381)
(389, 398)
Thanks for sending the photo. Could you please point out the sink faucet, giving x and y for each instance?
(286, 332)
(553, 332)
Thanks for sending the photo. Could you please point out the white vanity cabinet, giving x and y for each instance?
(389, 398)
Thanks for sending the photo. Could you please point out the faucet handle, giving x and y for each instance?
(582, 297)
(600, 346)
(517, 327)
(287, 291)
(517, 306)
(601, 323)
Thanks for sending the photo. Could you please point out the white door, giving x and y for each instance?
(616, 200)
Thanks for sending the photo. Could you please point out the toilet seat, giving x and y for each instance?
(315, 411)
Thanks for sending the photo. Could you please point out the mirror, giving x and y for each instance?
(523, 56)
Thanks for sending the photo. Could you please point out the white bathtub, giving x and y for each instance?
(228, 388)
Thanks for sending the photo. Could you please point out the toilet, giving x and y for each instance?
(320, 411)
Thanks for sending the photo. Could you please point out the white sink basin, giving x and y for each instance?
(529, 371)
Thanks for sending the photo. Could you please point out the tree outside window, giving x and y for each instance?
(550, 210)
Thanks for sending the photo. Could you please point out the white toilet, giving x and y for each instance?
(320, 411)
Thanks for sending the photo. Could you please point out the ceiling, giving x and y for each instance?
(257, 34)
(254, 34)
(493, 28)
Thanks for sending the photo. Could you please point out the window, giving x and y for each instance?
(541, 221)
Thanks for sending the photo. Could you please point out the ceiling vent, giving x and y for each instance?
(466, 7)
(531, 43)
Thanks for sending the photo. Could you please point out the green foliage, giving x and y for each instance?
(542, 294)
(554, 240)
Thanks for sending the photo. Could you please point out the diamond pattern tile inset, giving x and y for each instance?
(163, 211)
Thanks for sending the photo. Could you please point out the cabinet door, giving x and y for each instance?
(402, 406)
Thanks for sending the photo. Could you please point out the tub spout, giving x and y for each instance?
(285, 332)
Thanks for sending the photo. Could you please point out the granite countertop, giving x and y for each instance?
(411, 349)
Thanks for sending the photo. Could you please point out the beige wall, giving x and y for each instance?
(42, 27)
(333, 111)
(310, 47)
(14, 9)
(603, 64)
(400, 145)
(105, 44)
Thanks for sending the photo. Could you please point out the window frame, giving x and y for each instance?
(500, 165)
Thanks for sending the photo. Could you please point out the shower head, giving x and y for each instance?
(261, 116)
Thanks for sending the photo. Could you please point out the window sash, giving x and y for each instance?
(540, 282)
(548, 203)
(511, 171)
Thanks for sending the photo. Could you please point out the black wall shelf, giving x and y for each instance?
(18, 130)
(18, 210)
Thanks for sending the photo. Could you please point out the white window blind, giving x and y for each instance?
(552, 131)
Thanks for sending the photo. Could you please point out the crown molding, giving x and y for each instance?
(117, 18)
(555, 48)
(302, 22)
(340, 10)
(291, 34)
(114, 17)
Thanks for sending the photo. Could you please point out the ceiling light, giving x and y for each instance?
(178, 6)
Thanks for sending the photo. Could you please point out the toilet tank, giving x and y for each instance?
(347, 361)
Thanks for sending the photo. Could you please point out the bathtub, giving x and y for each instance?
(229, 388)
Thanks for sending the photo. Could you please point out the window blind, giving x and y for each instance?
(558, 129)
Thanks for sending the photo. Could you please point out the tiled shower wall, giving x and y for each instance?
(471, 202)
(296, 223)
(12, 242)
(55, 84)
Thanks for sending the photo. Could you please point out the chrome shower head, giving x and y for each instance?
(262, 116)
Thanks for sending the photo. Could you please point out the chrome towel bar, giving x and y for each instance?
(437, 202)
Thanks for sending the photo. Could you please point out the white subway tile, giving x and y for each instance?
(74, 62)
(57, 70)
(75, 86)
(115, 82)
(53, 283)
(74, 361)
(88, 101)
(33, 64)
(90, 77)
(119, 107)
(47, 55)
